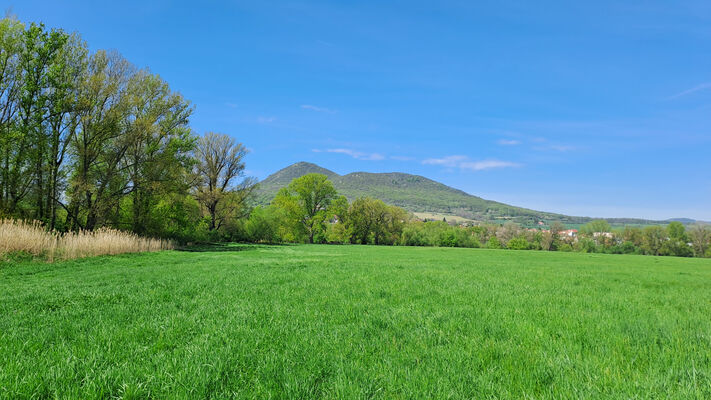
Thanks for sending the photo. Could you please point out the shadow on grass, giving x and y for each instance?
(227, 247)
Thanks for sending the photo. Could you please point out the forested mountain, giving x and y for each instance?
(419, 194)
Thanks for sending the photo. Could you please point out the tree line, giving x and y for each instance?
(88, 140)
(309, 210)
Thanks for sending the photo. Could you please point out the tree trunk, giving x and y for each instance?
(213, 216)
(91, 216)
(137, 212)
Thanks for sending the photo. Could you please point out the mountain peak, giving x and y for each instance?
(307, 165)
(284, 176)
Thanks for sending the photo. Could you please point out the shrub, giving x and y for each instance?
(261, 226)
(675, 247)
(337, 234)
(448, 238)
(586, 245)
(493, 243)
(626, 247)
(413, 235)
(566, 247)
(518, 243)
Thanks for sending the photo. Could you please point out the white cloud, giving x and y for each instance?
(449, 161)
(697, 88)
(232, 105)
(487, 164)
(265, 120)
(401, 158)
(556, 147)
(509, 142)
(317, 109)
(464, 163)
(353, 153)
(563, 148)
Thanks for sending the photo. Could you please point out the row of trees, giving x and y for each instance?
(310, 210)
(89, 140)
(672, 240)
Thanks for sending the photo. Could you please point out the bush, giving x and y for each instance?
(566, 247)
(493, 243)
(586, 245)
(337, 234)
(261, 227)
(448, 238)
(518, 243)
(677, 248)
(625, 247)
(413, 235)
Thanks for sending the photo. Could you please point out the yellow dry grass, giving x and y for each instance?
(32, 238)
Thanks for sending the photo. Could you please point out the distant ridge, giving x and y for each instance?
(688, 221)
(419, 194)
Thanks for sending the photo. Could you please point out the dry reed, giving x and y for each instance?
(33, 238)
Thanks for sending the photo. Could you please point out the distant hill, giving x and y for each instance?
(418, 194)
(688, 221)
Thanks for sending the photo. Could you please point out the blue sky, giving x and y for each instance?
(594, 108)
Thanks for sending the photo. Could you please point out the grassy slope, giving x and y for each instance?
(357, 321)
(419, 194)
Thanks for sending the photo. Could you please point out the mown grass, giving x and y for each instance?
(356, 322)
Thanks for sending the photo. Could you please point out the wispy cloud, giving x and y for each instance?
(353, 153)
(563, 148)
(317, 109)
(509, 142)
(325, 43)
(265, 120)
(464, 163)
(232, 105)
(487, 164)
(402, 158)
(449, 161)
(697, 88)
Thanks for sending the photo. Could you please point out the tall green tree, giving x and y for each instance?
(306, 201)
(160, 143)
(11, 43)
(677, 231)
(99, 145)
(42, 96)
(69, 66)
(370, 218)
(677, 241)
(700, 236)
(653, 238)
(220, 184)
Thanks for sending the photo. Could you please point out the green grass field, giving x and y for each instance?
(356, 322)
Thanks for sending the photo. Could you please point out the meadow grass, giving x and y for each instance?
(356, 322)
